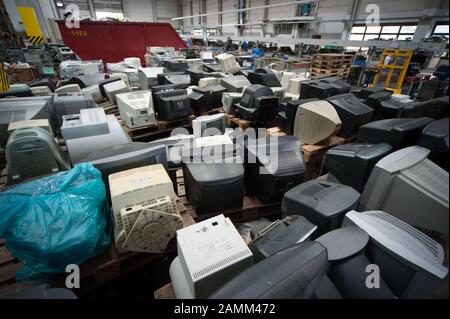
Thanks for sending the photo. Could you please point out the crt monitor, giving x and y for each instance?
(410, 262)
(323, 203)
(407, 185)
(196, 75)
(273, 166)
(293, 273)
(280, 235)
(202, 100)
(352, 112)
(399, 133)
(174, 106)
(316, 122)
(236, 84)
(258, 104)
(182, 79)
(209, 125)
(124, 157)
(317, 89)
(21, 109)
(435, 138)
(17, 90)
(286, 116)
(436, 108)
(264, 77)
(101, 84)
(352, 164)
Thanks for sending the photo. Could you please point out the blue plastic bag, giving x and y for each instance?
(55, 221)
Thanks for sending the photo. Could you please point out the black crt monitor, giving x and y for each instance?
(368, 91)
(124, 157)
(322, 203)
(101, 84)
(352, 112)
(340, 86)
(399, 133)
(205, 181)
(264, 77)
(352, 164)
(390, 109)
(258, 104)
(17, 90)
(286, 116)
(173, 105)
(374, 100)
(273, 167)
(176, 66)
(436, 108)
(196, 75)
(317, 89)
(435, 138)
(164, 91)
(293, 273)
(43, 82)
(202, 100)
(217, 91)
(280, 235)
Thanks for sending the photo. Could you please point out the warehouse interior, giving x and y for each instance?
(224, 149)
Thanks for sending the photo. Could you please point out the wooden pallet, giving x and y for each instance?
(213, 111)
(341, 71)
(234, 121)
(138, 132)
(110, 108)
(275, 131)
(168, 125)
(251, 209)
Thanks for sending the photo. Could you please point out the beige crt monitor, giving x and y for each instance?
(315, 122)
(410, 187)
(135, 186)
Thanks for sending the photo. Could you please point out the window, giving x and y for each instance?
(385, 32)
(197, 32)
(283, 28)
(211, 31)
(441, 29)
(106, 14)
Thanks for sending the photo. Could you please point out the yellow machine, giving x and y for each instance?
(4, 83)
(31, 25)
(392, 69)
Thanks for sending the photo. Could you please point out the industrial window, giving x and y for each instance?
(441, 29)
(283, 28)
(384, 32)
(211, 31)
(197, 32)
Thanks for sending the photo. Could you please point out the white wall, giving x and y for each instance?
(150, 10)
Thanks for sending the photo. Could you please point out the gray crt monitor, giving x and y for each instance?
(293, 273)
(410, 187)
(410, 262)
